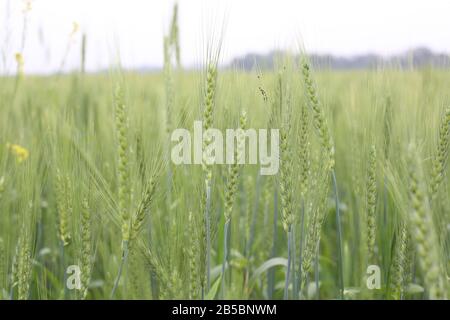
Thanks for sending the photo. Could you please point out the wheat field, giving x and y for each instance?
(92, 207)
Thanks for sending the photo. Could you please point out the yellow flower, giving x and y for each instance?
(27, 6)
(75, 28)
(20, 63)
(19, 58)
(20, 152)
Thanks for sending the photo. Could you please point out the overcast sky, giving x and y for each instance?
(135, 28)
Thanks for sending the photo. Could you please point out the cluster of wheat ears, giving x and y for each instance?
(86, 180)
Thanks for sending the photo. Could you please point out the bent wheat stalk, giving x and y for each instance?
(321, 126)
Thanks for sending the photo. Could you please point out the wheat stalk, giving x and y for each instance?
(147, 199)
(24, 265)
(371, 199)
(211, 76)
(441, 155)
(64, 205)
(86, 239)
(319, 119)
(423, 229)
(123, 177)
(400, 262)
(174, 34)
(230, 193)
(327, 144)
(193, 256)
(3, 268)
(312, 240)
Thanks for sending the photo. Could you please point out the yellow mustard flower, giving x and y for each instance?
(75, 28)
(27, 6)
(19, 152)
(20, 63)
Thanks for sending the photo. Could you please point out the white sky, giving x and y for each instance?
(136, 28)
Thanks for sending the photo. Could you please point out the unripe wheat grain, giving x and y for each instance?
(423, 229)
(371, 198)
